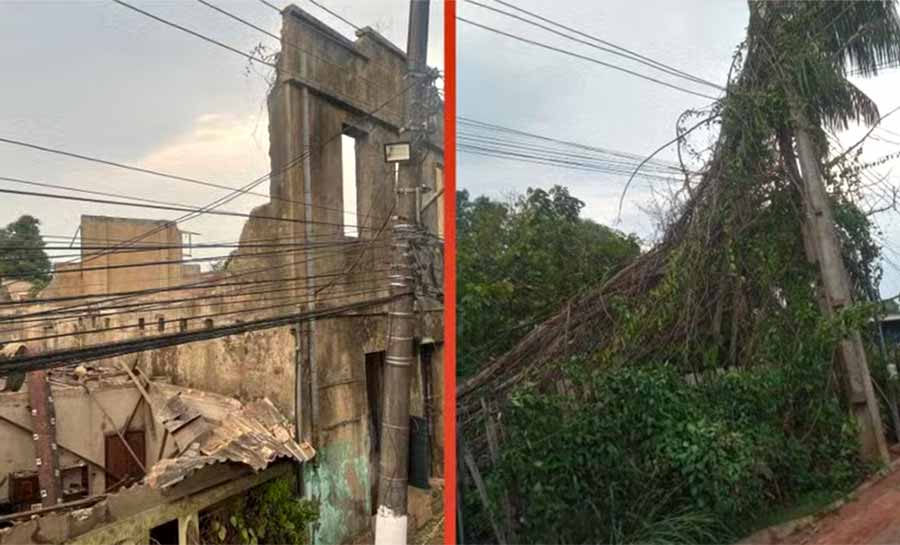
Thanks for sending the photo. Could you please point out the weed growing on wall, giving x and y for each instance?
(269, 513)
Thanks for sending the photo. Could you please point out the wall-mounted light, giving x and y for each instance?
(397, 152)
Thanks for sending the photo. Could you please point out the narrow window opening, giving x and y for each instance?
(182, 324)
(161, 324)
(439, 193)
(140, 323)
(348, 185)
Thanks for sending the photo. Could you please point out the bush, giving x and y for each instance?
(269, 513)
(646, 457)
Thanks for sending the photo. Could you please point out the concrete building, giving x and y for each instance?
(122, 254)
(335, 102)
(129, 450)
(15, 290)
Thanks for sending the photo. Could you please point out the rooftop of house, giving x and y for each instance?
(204, 428)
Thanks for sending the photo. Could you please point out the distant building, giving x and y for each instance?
(111, 249)
(15, 290)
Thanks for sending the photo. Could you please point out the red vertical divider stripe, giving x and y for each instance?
(449, 397)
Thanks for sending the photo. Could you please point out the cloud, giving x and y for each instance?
(220, 146)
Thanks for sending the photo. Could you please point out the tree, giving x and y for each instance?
(812, 68)
(520, 260)
(22, 251)
(719, 327)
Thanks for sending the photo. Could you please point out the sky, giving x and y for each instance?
(95, 78)
(521, 86)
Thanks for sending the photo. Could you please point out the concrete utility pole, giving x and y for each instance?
(43, 422)
(836, 288)
(391, 519)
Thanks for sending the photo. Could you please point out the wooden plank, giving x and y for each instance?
(482, 491)
(137, 383)
(494, 450)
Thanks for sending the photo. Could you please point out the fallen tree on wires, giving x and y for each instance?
(707, 383)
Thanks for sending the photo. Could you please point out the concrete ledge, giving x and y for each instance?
(315, 24)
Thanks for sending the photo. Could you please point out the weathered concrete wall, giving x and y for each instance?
(81, 427)
(329, 86)
(109, 232)
(17, 290)
(127, 517)
(326, 86)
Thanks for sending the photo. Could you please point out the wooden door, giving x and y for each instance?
(120, 464)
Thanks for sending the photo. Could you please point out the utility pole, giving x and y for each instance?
(43, 422)
(391, 519)
(835, 284)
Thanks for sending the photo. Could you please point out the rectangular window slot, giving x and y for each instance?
(348, 185)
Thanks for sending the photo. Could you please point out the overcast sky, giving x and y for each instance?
(96, 78)
(524, 87)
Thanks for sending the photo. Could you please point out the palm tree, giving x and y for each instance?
(812, 48)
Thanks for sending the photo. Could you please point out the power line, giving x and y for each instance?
(166, 207)
(152, 172)
(612, 49)
(271, 5)
(196, 34)
(57, 239)
(85, 250)
(293, 162)
(280, 39)
(91, 353)
(598, 160)
(519, 132)
(268, 269)
(584, 57)
(276, 8)
(142, 325)
(182, 305)
(574, 165)
(205, 283)
(335, 14)
(253, 255)
(122, 295)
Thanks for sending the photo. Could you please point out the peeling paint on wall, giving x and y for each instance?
(340, 482)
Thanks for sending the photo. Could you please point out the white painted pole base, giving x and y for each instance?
(390, 529)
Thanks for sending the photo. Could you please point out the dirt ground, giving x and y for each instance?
(430, 534)
(872, 518)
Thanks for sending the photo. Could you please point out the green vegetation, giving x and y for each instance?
(269, 513)
(22, 251)
(519, 260)
(709, 401)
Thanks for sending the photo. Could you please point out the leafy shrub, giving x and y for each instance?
(269, 513)
(647, 457)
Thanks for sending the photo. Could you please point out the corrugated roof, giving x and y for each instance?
(209, 428)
